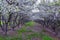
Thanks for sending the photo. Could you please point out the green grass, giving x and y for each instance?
(39, 35)
(15, 38)
(32, 35)
(1, 38)
(10, 38)
(31, 23)
(24, 30)
(47, 38)
(29, 36)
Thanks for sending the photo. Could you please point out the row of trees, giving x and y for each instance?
(14, 13)
(50, 24)
(13, 20)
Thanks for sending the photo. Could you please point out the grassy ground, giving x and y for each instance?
(30, 31)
